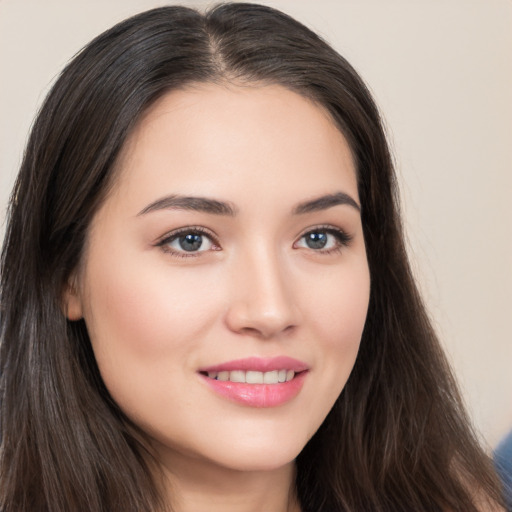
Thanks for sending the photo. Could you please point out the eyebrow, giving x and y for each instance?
(325, 202)
(216, 207)
(198, 204)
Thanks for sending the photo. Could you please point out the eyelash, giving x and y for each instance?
(343, 240)
(190, 230)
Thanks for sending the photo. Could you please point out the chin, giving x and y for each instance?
(256, 463)
(242, 453)
(259, 454)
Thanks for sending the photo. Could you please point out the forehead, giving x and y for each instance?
(217, 139)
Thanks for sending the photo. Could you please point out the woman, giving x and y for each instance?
(206, 298)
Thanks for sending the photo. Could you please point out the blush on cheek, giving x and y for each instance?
(341, 309)
(149, 310)
(121, 311)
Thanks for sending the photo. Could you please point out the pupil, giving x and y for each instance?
(316, 240)
(190, 242)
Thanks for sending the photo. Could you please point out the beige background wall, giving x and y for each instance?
(441, 71)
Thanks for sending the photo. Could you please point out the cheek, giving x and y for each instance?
(340, 306)
(142, 308)
(339, 316)
(145, 324)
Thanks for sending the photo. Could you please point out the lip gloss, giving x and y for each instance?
(257, 395)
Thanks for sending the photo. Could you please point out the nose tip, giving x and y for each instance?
(263, 303)
(264, 323)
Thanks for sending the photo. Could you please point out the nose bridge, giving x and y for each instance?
(263, 300)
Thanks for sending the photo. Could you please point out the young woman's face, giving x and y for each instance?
(230, 249)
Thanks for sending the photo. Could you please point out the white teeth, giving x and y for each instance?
(223, 376)
(270, 377)
(237, 376)
(252, 377)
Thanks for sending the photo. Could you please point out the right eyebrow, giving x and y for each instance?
(198, 204)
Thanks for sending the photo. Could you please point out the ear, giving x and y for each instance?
(71, 300)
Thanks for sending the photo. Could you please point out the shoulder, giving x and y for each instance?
(503, 463)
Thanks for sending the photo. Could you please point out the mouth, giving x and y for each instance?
(257, 382)
(253, 377)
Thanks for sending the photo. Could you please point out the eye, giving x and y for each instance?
(187, 242)
(324, 240)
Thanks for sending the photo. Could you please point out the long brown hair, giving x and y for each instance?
(397, 438)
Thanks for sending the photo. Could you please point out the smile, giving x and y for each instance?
(254, 377)
(257, 382)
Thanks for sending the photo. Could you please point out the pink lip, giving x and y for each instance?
(258, 395)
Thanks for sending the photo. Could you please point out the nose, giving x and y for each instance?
(263, 302)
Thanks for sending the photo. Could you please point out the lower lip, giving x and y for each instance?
(258, 395)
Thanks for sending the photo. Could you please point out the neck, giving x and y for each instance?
(193, 485)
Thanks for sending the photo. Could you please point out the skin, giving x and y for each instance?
(257, 288)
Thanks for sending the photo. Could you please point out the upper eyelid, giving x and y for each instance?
(325, 227)
(185, 230)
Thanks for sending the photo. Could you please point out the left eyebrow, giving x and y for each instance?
(325, 202)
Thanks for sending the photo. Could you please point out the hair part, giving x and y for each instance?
(396, 439)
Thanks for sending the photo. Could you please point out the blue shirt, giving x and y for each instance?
(503, 463)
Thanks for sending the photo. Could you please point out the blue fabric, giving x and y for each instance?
(503, 463)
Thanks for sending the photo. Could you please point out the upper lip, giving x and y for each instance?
(259, 364)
